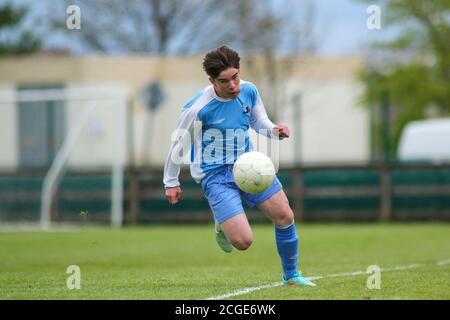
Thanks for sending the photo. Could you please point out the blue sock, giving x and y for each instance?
(287, 246)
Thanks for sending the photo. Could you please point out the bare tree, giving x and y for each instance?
(151, 26)
(185, 26)
(254, 27)
(271, 35)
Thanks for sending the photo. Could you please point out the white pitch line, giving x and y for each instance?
(244, 291)
(350, 274)
(443, 262)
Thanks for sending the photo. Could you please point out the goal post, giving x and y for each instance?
(86, 103)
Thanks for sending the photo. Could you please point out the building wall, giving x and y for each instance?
(98, 142)
(332, 127)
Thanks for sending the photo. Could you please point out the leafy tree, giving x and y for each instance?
(415, 66)
(13, 40)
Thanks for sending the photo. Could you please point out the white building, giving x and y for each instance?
(327, 124)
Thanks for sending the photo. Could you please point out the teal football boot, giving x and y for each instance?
(298, 280)
(222, 239)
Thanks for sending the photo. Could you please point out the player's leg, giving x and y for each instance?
(231, 224)
(275, 204)
(238, 231)
(278, 210)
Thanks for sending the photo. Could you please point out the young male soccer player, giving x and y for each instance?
(230, 104)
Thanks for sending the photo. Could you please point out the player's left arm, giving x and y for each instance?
(281, 131)
(261, 123)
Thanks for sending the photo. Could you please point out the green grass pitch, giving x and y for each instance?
(184, 262)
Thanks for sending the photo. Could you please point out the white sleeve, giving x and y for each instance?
(259, 119)
(183, 135)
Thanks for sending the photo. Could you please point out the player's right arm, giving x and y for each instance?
(173, 194)
(181, 140)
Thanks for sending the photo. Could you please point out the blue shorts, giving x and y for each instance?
(224, 197)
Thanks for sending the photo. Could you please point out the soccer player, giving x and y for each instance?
(231, 105)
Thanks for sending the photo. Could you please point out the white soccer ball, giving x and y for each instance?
(253, 172)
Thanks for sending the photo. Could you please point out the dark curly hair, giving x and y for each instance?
(219, 60)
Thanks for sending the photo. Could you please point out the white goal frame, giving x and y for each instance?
(117, 100)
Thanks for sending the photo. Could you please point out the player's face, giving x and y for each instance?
(228, 83)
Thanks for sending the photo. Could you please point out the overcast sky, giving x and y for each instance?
(342, 27)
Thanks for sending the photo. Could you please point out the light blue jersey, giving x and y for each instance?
(215, 131)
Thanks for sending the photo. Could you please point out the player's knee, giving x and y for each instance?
(243, 243)
(285, 216)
